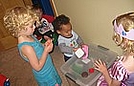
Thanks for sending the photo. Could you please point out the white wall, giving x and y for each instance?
(91, 19)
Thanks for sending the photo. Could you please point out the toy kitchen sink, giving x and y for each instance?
(83, 73)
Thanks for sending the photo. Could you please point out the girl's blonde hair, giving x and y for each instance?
(127, 21)
(17, 18)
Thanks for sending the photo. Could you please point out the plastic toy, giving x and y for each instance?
(79, 53)
(91, 70)
(85, 49)
(82, 52)
(84, 74)
(86, 61)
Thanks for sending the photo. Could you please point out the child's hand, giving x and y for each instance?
(46, 38)
(48, 45)
(75, 49)
(82, 45)
(100, 66)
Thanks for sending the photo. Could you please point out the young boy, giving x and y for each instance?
(68, 40)
(45, 30)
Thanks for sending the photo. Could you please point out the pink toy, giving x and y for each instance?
(85, 49)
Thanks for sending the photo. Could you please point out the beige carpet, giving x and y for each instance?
(19, 72)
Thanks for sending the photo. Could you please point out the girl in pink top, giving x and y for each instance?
(121, 73)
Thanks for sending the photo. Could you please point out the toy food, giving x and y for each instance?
(91, 70)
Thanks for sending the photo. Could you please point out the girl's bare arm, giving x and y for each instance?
(36, 63)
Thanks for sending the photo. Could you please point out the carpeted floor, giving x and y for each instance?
(19, 72)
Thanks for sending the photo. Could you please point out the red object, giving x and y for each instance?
(71, 45)
(91, 70)
(39, 37)
(2, 79)
(49, 18)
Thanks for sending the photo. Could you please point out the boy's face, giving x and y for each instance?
(39, 13)
(66, 30)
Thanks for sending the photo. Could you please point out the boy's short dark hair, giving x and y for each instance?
(36, 7)
(59, 21)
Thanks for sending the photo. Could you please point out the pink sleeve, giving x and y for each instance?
(118, 72)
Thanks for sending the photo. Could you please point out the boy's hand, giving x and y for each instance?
(75, 49)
